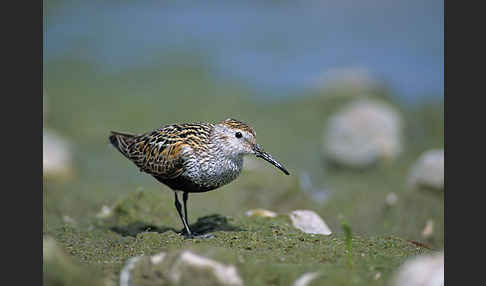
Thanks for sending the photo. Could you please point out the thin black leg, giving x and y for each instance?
(179, 210)
(185, 196)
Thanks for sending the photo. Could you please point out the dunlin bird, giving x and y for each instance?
(192, 157)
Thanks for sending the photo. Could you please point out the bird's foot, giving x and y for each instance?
(194, 235)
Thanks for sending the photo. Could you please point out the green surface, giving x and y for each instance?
(84, 105)
(265, 251)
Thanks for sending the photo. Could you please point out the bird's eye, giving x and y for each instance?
(238, 135)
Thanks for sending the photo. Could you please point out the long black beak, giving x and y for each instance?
(267, 157)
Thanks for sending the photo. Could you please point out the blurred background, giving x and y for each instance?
(348, 95)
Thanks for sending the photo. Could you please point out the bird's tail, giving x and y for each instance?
(121, 141)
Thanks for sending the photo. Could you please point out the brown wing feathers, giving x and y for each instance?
(121, 141)
(159, 152)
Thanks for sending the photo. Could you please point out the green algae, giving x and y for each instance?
(266, 251)
(60, 268)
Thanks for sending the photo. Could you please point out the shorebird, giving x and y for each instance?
(192, 157)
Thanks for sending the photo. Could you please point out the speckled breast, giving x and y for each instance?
(206, 174)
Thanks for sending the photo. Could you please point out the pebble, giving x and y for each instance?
(57, 157)
(305, 279)
(224, 274)
(429, 229)
(105, 212)
(69, 220)
(125, 272)
(421, 270)
(428, 171)
(49, 248)
(261, 213)
(178, 268)
(391, 199)
(309, 222)
(362, 133)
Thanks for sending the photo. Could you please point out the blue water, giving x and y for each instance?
(277, 46)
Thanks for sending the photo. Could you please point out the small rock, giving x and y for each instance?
(178, 268)
(391, 199)
(428, 171)
(157, 258)
(189, 262)
(309, 222)
(421, 270)
(260, 212)
(105, 212)
(57, 157)
(68, 219)
(49, 248)
(362, 133)
(429, 229)
(305, 279)
(125, 272)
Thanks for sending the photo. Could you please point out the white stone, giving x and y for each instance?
(157, 258)
(105, 212)
(428, 170)
(424, 270)
(57, 157)
(261, 212)
(225, 274)
(391, 199)
(125, 272)
(428, 229)
(49, 248)
(305, 279)
(309, 222)
(68, 219)
(178, 269)
(362, 133)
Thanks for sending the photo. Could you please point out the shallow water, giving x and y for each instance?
(278, 47)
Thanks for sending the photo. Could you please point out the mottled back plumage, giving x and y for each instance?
(159, 152)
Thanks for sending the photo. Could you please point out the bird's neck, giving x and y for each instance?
(219, 143)
(228, 160)
(215, 169)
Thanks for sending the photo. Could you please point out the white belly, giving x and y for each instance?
(214, 172)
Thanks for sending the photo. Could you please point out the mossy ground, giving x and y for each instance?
(266, 251)
(84, 106)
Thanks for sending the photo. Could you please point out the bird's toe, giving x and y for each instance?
(194, 235)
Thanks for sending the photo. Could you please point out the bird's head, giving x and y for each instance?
(238, 139)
